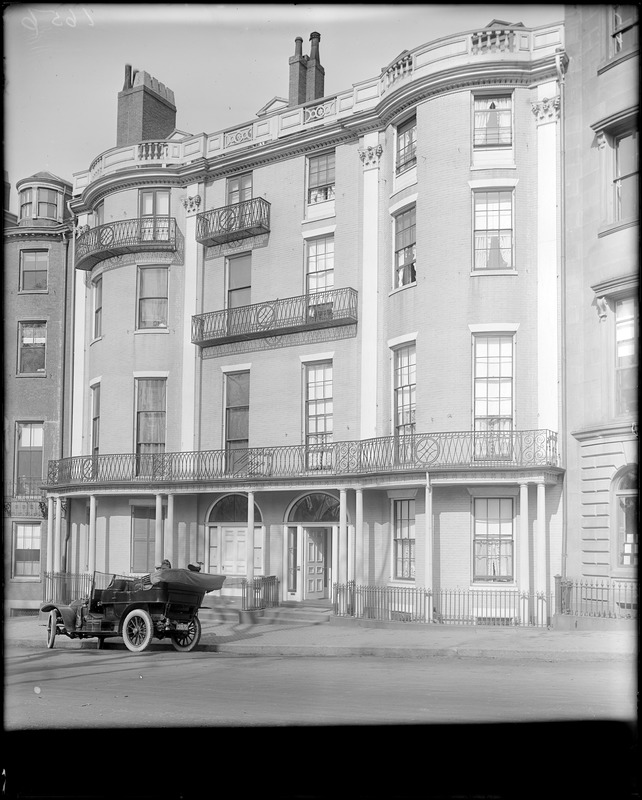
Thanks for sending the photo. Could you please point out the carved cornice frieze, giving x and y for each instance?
(370, 156)
(547, 110)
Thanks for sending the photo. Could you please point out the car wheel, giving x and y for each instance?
(52, 626)
(138, 630)
(184, 641)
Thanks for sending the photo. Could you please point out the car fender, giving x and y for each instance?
(68, 614)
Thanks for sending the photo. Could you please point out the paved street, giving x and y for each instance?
(103, 689)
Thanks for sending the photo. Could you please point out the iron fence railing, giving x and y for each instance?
(125, 236)
(233, 222)
(260, 592)
(397, 454)
(27, 488)
(276, 317)
(596, 598)
(482, 606)
(64, 587)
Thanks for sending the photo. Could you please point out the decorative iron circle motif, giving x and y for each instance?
(265, 316)
(227, 219)
(427, 450)
(87, 469)
(106, 236)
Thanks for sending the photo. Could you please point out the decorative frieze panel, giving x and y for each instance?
(317, 113)
(547, 110)
(239, 136)
(370, 156)
(191, 204)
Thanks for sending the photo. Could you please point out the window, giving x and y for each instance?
(144, 537)
(237, 418)
(493, 245)
(407, 145)
(624, 28)
(493, 396)
(625, 180)
(154, 212)
(239, 188)
(48, 203)
(321, 178)
(239, 281)
(318, 414)
(492, 539)
(626, 356)
(405, 247)
(29, 458)
(25, 561)
(34, 267)
(405, 359)
(492, 121)
(626, 497)
(404, 539)
(95, 419)
(26, 203)
(33, 345)
(99, 215)
(320, 277)
(98, 307)
(152, 297)
(150, 422)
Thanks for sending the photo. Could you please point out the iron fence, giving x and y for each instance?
(596, 598)
(416, 452)
(125, 236)
(233, 222)
(482, 606)
(64, 587)
(261, 592)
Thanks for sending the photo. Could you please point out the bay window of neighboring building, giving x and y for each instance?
(493, 230)
(625, 177)
(98, 307)
(150, 422)
(626, 312)
(493, 396)
(152, 297)
(34, 269)
(617, 151)
(26, 203)
(623, 24)
(626, 519)
(29, 458)
(406, 155)
(237, 418)
(318, 414)
(492, 121)
(405, 224)
(143, 537)
(321, 177)
(404, 539)
(32, 347)
(493, 539)
(47, 203)
(25, 550)
(319, 276)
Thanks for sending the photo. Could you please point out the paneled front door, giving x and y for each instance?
(316, 546)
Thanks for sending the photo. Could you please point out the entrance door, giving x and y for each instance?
(233, 541)
(316, 545)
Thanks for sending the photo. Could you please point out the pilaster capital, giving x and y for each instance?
(547, 110)
(370, 156)
(191, 204)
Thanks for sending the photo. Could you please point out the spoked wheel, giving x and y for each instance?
(138, 630)
(52, 627)
(186, 640)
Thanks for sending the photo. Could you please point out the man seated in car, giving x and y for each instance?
(155, 576)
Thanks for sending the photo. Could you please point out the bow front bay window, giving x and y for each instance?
(318, 414)
(493, 396)
(150, 422)
(152, 297)
(493, 121)
(493, 539)
(406, 145)
(405, 247)
(404, 539)
(493, 226)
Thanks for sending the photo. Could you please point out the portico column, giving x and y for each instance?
(523, 576)
(540, 541)
(57, 529)
(428, 560)
(343, 536)
(158, 531)
(358, 537)
(50, 537)
(91, 555)
(169, 530)
(250, 537)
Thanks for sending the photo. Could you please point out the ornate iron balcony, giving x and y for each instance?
(234, 222)
(388, 454)
(326, 309)
(125, 236)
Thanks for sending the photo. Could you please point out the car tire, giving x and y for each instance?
(52, 628)
(138, 630)
(184, 641)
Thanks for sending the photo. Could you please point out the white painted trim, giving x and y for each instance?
(494, 327)
(407, 201)
(151, 374)
(403, 339)
(493, 491)
(94, 381)
(493, 183)
(403, 494)
(236, 367)
(318, 232)
(317, 357)
(476, 273)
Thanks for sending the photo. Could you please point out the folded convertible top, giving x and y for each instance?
(202, 582)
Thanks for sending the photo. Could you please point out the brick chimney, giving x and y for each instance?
(316, 74)
(298, 71)
(146, 109)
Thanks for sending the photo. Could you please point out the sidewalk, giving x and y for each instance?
(324, 638)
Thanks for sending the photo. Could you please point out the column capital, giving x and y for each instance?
(191, 204)
(547, 109)
(370, 156)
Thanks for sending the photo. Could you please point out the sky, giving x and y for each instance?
(64, 64)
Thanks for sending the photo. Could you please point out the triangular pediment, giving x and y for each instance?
(275, 104)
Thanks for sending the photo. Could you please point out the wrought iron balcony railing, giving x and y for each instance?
(24, 488)
(234, 222)
(125, 236)
(387, 454)
(326, 309)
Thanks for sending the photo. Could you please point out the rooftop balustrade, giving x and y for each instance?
(331, 308)
(419, 452)
(234, 222)
(125, 236)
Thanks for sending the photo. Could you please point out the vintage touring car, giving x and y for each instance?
(136, 609)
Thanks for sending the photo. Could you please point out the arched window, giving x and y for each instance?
(316, 507)
(626, 498)
(233, 508)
